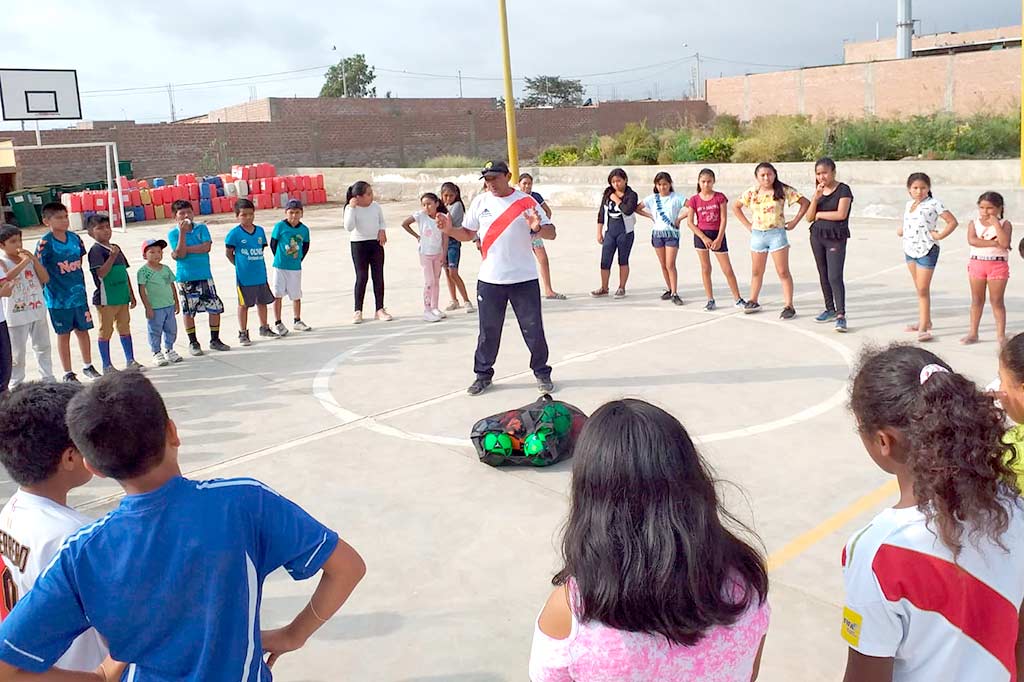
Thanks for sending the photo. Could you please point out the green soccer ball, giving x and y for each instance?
(535, 444)
(498, 444)
(559, 416)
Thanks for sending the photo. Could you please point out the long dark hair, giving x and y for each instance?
(454, 189)
(357, 189)
(616, 173)
(706, 171)
(1012, 357)
(663, 177)
(779, 187)
(441, 208)
(920, 177)
(994, 198)
(952, 434)
(647, 540)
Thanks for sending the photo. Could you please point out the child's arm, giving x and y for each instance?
(973, 239)
(110, 671)
(861, 668)
(951, 224)
(131, 292)
(229, 251)
(1004, 234)
(341, 573)
(547, 209)
(691, 222)
(177, 304)
(737, 210)
(642, 210)
(407, 226)
(6, 288)
(684, 214)
(41, 274)
(145, 301)
(26, 258)
(804, 206)
(111, 260)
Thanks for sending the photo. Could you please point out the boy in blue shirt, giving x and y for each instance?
(60, 252)
(195, 279)
(289, 243)
(172, 579)
(244, 248)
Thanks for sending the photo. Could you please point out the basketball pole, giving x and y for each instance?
(510, 102)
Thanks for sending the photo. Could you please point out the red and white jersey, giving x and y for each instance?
(940, 620)
(32, 530)
(505, 237)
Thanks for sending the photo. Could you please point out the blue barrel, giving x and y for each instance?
(204, 190)
(159, 182)
(139, 212)
(205, 207)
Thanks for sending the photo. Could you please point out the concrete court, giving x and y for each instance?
(366, 427)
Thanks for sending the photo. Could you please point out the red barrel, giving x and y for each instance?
(150, 212)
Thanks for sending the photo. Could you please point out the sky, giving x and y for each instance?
(127, 52)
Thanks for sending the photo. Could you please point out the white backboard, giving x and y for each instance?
(40, 94)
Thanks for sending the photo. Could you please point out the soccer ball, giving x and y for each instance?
(498, 444)
(559, 416)
(535, 444)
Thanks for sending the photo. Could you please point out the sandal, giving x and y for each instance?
(924, 337)
(598, 293)
(969, 340)
(556, 297)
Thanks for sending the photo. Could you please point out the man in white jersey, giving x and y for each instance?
(506, 221)
(37, 452)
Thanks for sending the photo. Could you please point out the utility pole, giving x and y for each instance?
(344, 77)
(510, 101)
(170, 96)
(700, 85)
(460, 83)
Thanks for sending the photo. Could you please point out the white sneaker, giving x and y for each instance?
(172, 356)
(454, 305)
(440, 313)
(470, 308)
(383, 315)
(281, 329)
(301, 326)
(430, 316)
(358, 317)
(159, 360)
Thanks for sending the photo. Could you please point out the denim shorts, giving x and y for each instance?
(768, 241)
(662, 242)
(927, 261)
(454, 253)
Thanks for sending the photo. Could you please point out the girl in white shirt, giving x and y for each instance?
(364, 218)
(433, 246)
(989, 237)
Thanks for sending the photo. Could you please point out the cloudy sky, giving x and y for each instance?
(127, 52)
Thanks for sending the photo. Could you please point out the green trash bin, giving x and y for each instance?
(40, 196)
(24, 210)
(125, 169)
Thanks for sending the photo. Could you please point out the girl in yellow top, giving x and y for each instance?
(767, 225)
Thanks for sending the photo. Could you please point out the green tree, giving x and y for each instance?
(350, 77)
(553, 91)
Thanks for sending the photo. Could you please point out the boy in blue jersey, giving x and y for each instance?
(289, 242)
(190, 244)
(60, 252)
(244, 248)
(173, 578)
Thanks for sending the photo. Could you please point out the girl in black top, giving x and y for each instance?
(615, 222)
(829, 216)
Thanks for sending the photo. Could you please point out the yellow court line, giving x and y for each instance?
(801, 544)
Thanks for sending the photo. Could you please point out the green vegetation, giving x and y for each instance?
(798, 138)
(455, 161)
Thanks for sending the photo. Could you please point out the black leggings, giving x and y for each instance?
(6, 363)
(368, 257)
(616, 239)
(830, 257)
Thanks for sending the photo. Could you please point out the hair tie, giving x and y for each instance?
(928, 370)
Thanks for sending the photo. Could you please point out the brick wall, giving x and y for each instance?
(875, 50)
(963, 84)
(379, 135)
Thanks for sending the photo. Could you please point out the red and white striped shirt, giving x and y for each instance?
(940, 620)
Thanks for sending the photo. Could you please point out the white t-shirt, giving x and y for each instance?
(26, 303)
(431, 238)
(32, 531)
(509, 259)
(364, 222)
(940, 620)
(665, 211)
(987, 252)
(918, 226)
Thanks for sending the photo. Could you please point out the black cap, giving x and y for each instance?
(292, 204)
(495, 168)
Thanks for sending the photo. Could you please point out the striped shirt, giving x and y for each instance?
(940, 619)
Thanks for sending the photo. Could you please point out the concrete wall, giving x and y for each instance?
(374, 133)
(879, 186)
(875, 50)
(962, 84)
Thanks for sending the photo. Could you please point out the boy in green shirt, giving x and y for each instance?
(114, 294)
(158, 294)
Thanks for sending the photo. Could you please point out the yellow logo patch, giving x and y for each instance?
(852, 625)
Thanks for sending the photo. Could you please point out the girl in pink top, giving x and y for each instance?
(708, 217)
(654, 586)
(989, 237)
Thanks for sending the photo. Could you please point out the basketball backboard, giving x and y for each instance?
(40, 95)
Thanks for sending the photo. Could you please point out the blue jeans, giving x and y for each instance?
(163, 323)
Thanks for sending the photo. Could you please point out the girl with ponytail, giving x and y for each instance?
(364, 219)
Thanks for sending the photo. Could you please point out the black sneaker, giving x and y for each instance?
(217, 344)
(243, 338)
(478, 386)
(788, 313)
(91, 372)
(70, 378)
(667, 295)
(110, 370)
(195, 349)
(269, 333)
(751, 307)
(711, 305)
(545, 385)
(676, 299)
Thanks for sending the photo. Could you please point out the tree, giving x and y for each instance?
(350, 77)
(553, 91)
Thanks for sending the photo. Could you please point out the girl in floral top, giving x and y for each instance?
(920, 245)
(655, 586)
(768, 227)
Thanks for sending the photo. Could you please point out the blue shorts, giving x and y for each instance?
(769, 241)
(698, 243)
(662, 242)
(928, 260)
(454, 253)
(67, 320)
